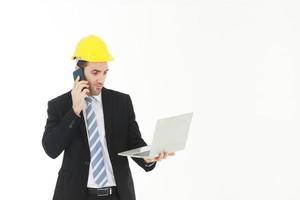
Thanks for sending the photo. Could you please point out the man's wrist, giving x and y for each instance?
(76, 112)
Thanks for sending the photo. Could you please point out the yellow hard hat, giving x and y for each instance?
(92, 49)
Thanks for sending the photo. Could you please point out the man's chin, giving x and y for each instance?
(95, 92)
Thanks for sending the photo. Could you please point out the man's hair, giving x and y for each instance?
(82, 63)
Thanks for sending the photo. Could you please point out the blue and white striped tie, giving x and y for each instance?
(97, 161)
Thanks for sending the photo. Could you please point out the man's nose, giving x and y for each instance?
(100, 79)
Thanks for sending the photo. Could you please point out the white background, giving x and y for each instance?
(234, 63)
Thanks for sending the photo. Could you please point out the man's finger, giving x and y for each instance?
(156, 158)
(82, 86)
(79, 83)
(75, 81)
(82, 82)
(85, 92)
(165, 155)
(161, 156)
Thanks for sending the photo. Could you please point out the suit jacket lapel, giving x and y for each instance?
(107, 113)
(83, 130)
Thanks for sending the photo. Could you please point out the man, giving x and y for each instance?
(91, 125)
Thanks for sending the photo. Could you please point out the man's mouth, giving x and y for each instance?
(99, 86)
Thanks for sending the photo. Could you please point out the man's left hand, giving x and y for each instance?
(161, 156)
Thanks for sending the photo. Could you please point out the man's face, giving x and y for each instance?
(95, 74)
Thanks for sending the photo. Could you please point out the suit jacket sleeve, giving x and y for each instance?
(135, 138)
(58, 130)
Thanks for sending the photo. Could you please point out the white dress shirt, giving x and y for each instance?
(98, 108)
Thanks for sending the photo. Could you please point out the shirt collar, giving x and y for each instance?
(97, 97)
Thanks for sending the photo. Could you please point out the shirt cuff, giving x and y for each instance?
(149, 164)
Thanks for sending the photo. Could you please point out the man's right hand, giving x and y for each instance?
(79, 92)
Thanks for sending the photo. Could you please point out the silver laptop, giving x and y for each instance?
(170, 135)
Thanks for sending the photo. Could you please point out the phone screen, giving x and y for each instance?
(78, 72)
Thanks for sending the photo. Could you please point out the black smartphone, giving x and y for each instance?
(78, 72)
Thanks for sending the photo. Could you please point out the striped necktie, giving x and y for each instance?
(97, 160)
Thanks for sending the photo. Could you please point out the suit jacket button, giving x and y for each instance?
(86, 162)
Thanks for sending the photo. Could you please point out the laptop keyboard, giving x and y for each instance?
(145, 153)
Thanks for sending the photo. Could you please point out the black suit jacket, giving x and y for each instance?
(66, 132)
